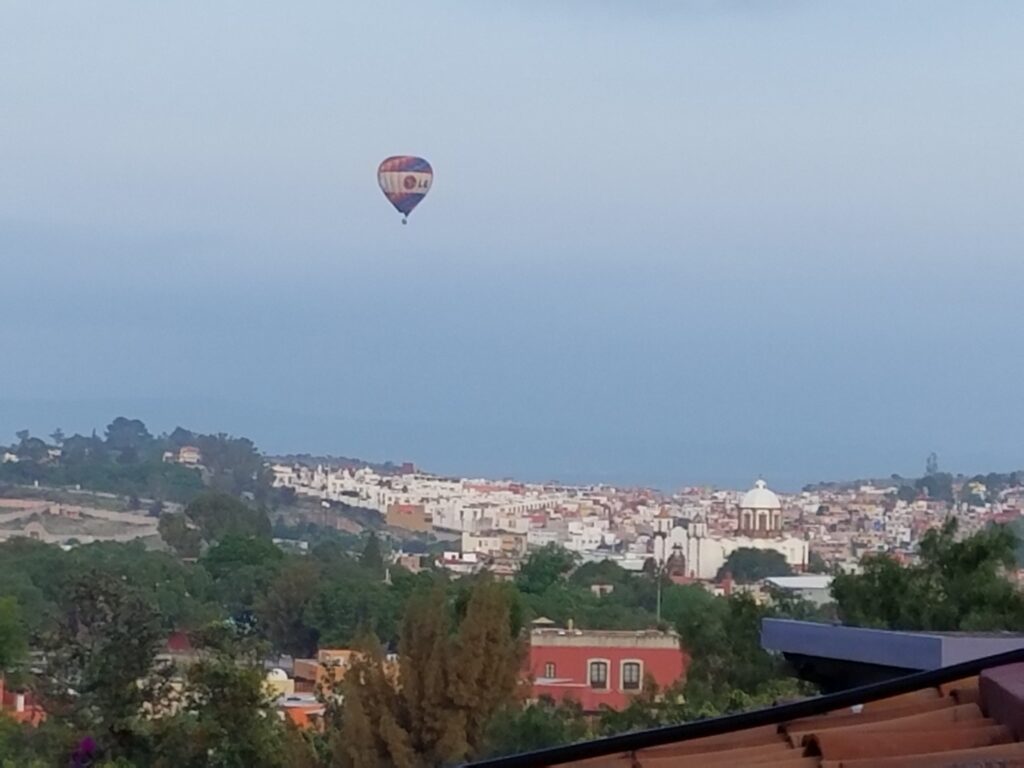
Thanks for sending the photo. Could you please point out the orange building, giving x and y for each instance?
(409, 517)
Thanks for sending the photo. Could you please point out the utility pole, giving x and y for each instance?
(660, 574)
(662, 526)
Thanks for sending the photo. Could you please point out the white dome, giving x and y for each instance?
(277, 675)
(759, 497)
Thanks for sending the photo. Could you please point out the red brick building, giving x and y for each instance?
(602, 667)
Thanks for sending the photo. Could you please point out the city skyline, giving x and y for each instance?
(76, 421)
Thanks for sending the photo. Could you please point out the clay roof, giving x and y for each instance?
(970, 720)
(929, 727)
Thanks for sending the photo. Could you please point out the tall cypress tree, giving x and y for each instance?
(371, 559)
(485, 661)
(448, 687)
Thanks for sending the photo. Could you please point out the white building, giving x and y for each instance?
(759, 525)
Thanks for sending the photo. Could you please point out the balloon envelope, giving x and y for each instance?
(405, 181)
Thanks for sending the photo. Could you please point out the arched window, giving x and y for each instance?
(598, 674)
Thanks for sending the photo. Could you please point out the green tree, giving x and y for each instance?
(127, 435)
(183, 538)
(281, 611)
(371, 559)
(243, 569)
(749, 566)
(342, 610)
(234, 465)
(23, 746)
(651, 708)
(32, 449)
(13, 639)
(957, 585)
(225, 717)
(228, 720)
(938, 486)
(544, 567)
(219, 515)
(236, 552)
(600, 572)
(451, 685)
(538, 725)
(729, 670)
(370, 735)
(485, 660)
(78, 450)
(906, 493)
(99, 668)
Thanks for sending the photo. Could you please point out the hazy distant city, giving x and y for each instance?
(436, 384)
(492, 523)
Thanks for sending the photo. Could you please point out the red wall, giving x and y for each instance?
(665, 665)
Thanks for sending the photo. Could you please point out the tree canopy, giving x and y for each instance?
(545, 567)
(219, 515)
(957, 584)
(747, 565)
(130, 461)
(13, 637)
(452, 684)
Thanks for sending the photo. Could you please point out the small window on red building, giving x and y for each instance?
(549, 669)
(598, 674)
(631, 676)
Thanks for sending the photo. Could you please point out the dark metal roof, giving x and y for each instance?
(905, 650)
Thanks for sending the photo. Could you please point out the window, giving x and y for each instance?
(599, 674)
(631, 676)
(549, 669)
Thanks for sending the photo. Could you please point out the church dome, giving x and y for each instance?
(760, 497)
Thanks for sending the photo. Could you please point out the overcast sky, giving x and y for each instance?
(667, 243)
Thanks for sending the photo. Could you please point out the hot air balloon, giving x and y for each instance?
(405, 180)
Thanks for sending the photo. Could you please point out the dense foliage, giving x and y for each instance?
(130, 462)
(747, 565)
(83, 629)
(958, 584)
(101, 612)
(452, 684)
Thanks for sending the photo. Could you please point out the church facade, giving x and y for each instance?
(759, 525)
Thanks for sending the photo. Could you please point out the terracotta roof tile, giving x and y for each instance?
(769, 734)
(844, 717)
(944, 727)
(967, 682)
(842, 745)
(1000, 756)
(935, 718)
(759, 753)
(793, 762)
(966, 695)
(911, 699)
